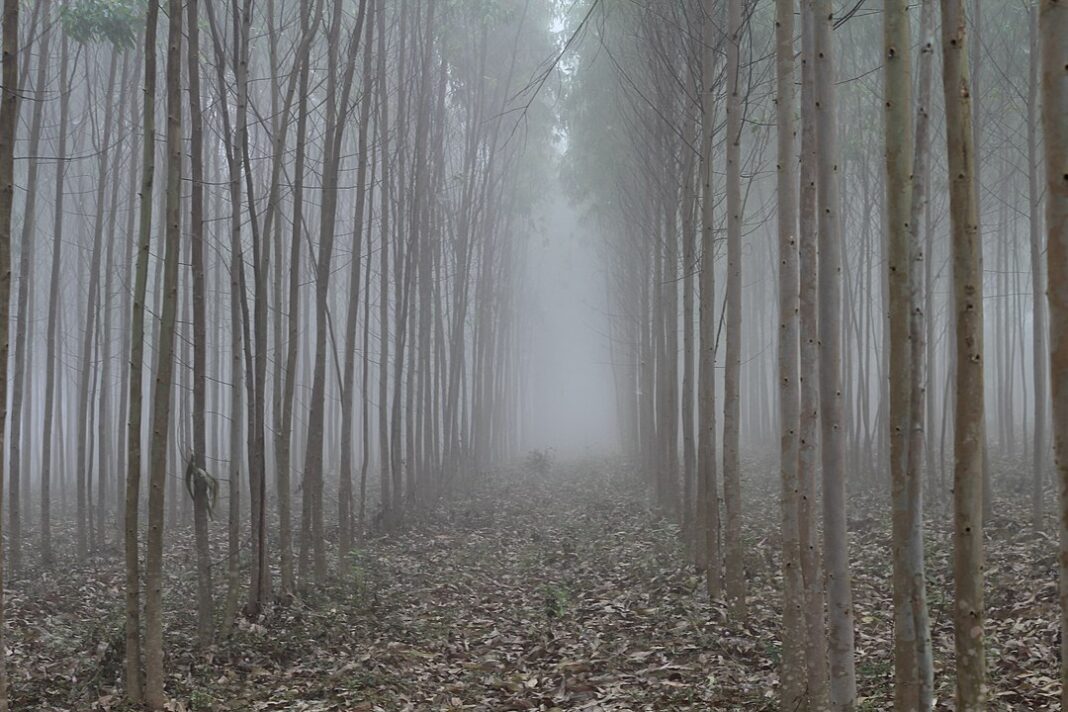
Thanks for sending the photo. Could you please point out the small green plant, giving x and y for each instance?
(362, 590)
(201, 700)
(556, 599)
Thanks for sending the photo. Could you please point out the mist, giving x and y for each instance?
(403, 355)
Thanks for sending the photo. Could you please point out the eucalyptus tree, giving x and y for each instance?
(1053, 41)
(708, 518)
(28, 240)
(969, 435)
(794, 670)
(899, 193)
(9, 100)
(134, 681)
(808, 328)
(155, 695)
(843, 686)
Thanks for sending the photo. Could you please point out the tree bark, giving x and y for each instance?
(155, 695)
(708, 497)
(793, 673)
(9, 108)
(202, 498)
(732, 479)
(969, 430)
(1053, 40)
(843, 686)
(808, 430)
(134, 686)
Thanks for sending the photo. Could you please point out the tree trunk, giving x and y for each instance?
(843, 686)
(9, 108)
(899, 192)
(918, 447)
(969, 431)
(1053, 39)
(808, 432)
(155, 695)
(708, 497)
(20, 373)
(203, 498)
(793, 674)
(134, 689)
(1040, 354)
(732, 479)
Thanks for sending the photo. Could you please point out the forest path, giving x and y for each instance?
(554, 593)
(515, 592)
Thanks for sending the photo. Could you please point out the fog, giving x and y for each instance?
(573, 404)
(533, 354)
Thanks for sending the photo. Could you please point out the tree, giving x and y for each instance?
(708, 496)
(843, 686)
(9, 107)
(899, 193)
(1040, 326)
(201, 484)
(793, 667)
(969, 435)
(134, 687)
(920, 297)
(732, 485)
(808, 326)
(29, 222)
(1053, 40)
(155, 695)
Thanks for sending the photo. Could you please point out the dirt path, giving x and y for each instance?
(553, 595)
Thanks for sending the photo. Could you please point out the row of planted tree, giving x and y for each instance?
(791, 168)
(284, 274)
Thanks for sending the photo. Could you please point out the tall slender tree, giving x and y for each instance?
(155, 694)
(843, 685)
(9, 107)
(793, 666)
(1053, 40)
(969, 436)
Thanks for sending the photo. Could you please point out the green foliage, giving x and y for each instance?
(116, 22)
(556, 599)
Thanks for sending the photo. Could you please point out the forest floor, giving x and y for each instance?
(555, 593)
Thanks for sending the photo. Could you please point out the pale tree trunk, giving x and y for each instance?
(134, 687)
(732, 478)
(88, 374)
(203, 497)
(52, 336)
(155, 695)
(284, 437)
(919, 298)
(237, 300)
(337, 114)
(345, 519)
(689, 455)
(843, 686)
(975, 95)
(899, 154)
(8, 125)
(793, 673)
(969, 431)
(1040, 353)
(808, 429)
(707, 499)
(29, 222)
(386, 494)
(1053, 39)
